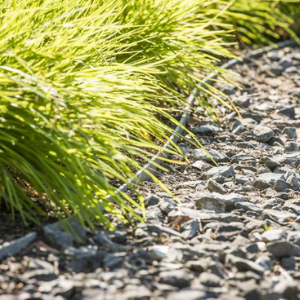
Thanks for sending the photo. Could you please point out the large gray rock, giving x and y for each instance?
(263, 133)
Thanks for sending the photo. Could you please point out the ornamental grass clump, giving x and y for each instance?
(84, 85)
(256, 21)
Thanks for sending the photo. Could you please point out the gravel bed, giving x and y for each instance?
(235, 235)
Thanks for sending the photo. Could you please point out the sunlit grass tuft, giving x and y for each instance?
(82, 86)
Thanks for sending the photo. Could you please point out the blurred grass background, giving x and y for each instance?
(85, 85)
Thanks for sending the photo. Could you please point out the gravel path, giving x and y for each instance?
(236, 234)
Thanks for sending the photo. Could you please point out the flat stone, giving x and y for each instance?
(188, 294)
(40, 275)
(288, 111)
(179, 278)
(210, 280)
(290, 132)
(242, 101)
(263, 133)
(270, 163)
(273, 235)
(85, 259)
(288, 288)
(113, 261)
(218, 202)
(206, 129)
(151, 200)
(244, 265)
(248, 206)
(213, 186)
(239, 130)
(293, 181)
(135, 292)
(278, 214)
(201, 165)
(56, 234)
(215, 155)
(103, 240)
(225, 171)
(265, 262)
(291, 146)
(266, 180)
(294, 237)
(288, 263)
(159, 252)
(281, 186)
(286, 62)
(189, 229)
(16, 246)
(282, 249)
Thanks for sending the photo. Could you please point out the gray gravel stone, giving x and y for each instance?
(291, 146)
(290, 132)
(239, 130)
(265, 262)
(16, 246)
(294, 237)
(281, 186)
(286, 62)
(201, 165)
(288, 263)
(216, 155)
(188, 294)
(189, 229)
(210, 280)
(178, 278)
(288, 111)
(287, 288)
(248, 206)
(244, 265)
(263, 181)
(263, 133)
(278, 215)
(270, 163)
(85, 259)
(56, 235)
(225, 171)
(206, 129)
(213, 186)
(273, 235)
(283, 248)
(217, 202)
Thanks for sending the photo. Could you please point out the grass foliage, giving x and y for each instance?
(85, 83)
